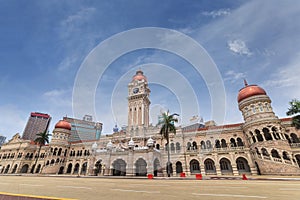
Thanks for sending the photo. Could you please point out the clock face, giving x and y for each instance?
(135, 90)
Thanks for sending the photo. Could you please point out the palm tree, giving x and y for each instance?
(294, 109)
(167, 121)
(41, 140)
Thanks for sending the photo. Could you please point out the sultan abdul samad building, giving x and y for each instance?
(262, 144)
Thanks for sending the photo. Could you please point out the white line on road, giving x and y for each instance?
(24, 184)
(290, 189)
(139, 191)
(76, 187)
(149, 185)
(230, 195)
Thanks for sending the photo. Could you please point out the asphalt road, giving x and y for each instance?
(128, 189)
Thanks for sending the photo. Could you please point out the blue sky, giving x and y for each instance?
(44, 44)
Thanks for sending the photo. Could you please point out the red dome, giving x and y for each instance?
(139, 76)
(249, 91)
(63, 124)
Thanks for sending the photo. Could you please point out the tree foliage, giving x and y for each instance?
(293, 110)
(168, 125)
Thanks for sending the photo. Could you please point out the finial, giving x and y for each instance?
(245, 82)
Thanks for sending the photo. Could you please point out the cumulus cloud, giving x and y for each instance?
(239, 47)
(216, 13)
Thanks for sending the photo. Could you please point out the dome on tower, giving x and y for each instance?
(249, 91)
(63, 124)
(139, 75)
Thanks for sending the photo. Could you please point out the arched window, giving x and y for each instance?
(157, 146)
(208, 144)
(195, 145)
(223, 143)
(275, 153)
(59, 151)
(172, 147)
(252, 136)
(189, 146)
(285, 155)
(267, 134)
(294, 138)
(242, 165)
(203, 145)
(209, 166)
(258, 135)
(217, 144)
(225, 166)
(265, 152)
(288, 138)
(194, 166)
(240, 142)
(179, 167)
(177, 146)
(232, 142)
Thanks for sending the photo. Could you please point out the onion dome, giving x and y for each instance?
(109, 145)
(63, 124)
(249, 91)
(115, 129)
(150, 142)
(139, 76)
(94, 146)
(131, 143)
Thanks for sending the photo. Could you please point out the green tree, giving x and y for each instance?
(293, 110)
(41, 140)
(168, 126)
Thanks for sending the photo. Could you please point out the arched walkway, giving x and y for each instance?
(38, 168)
(298, 159)
(98, 167)
(156, 167)
(179, 167)
(210, 167)
(61, 170)
(14, 169)
(225, 166)
(140, 167)
(194, 166)
(69, 169)
(76, 169)
(83, 168)
(6, 169)
(119, 168)
(24, 168)
(242, 165)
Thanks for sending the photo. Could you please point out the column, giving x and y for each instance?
(218, 169)
(235, 170)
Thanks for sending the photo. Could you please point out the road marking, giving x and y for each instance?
(31, 185)
(230, 195)
(34, 196)
(139, 191)
(76, 187)
(290, 189)
(149, 185)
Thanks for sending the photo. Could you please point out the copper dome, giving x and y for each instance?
(63, 124)
(139, 76)
(249, 91)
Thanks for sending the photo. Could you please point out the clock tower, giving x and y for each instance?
(138, 102)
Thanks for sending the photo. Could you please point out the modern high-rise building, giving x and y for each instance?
(2, 139)
(84, 129)
(37, 123)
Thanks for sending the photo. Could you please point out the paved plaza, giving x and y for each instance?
(113, 188)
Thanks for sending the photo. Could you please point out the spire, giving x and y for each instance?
(245, 82)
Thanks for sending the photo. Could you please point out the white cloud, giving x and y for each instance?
(239, 47)
(217, 13)
(80, 16)
(12, 121)
(233, 76)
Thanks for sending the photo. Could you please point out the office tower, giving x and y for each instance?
(37, 123)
